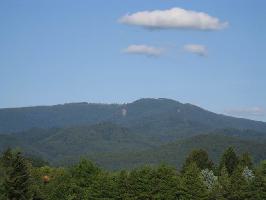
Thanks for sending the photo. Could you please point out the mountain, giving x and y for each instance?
(146, 131)
(21, 119)
(149, 116)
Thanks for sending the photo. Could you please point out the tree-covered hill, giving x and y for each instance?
(68, 144)
(116, 147)
(125, 135)
(176, 152)
(149, 116)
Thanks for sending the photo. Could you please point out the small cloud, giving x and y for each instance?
(144, 50)
(247, 112)
(174, 18)
(200, 50)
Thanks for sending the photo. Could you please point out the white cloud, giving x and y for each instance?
(174, 18)
(144, 50)
(247, 112)
(200, 50)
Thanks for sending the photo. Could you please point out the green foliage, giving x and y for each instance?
(258, 186)
(85, 173)
(225, 183)
(229, 160)
(200, 158)
(245, 160)
(86, 181)
(192, 185)
(17, 180)
(240, 187)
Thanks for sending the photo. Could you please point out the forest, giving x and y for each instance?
(125, 136)
(234, 177)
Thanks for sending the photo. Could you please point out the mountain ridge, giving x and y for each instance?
(71, 114)
(63, 133)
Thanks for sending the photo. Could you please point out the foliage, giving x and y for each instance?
(229, 160)
(192, 185)
(200, 158)
(17, 179)
(209, 179)
(86, 181)
(248, 174)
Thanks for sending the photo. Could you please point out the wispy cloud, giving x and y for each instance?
(247, 112)
(197, 49)
(144, 50)
(174, 18)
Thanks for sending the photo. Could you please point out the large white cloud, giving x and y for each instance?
(144, 50)
(174, 18)
(200, 50)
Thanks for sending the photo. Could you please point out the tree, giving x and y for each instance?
(17, 179)
(102, 187)
(200, 158)
(85, 172)
(258, 186)
(192, 185)
(52, 183)
(122, 187)
(165, 183)
(229, 160)
(209, 179)
(225, 184)
(245, 160)
(240, 186)
(140, 183)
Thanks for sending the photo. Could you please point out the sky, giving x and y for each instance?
(208, 53)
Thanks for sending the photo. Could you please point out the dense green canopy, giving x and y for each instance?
(198, 180)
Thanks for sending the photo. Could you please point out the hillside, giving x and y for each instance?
(65, 145)
(147, 131)
(149, 116)
(115, 147)
(176, 152)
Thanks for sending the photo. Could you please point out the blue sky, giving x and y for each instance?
(54, 52)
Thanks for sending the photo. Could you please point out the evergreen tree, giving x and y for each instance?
(200, 158)
(102, 187)
(224, 184)
(165, 183)
(258, 186)
(122, 186)
(140, 183)
(229, 160)
(192, 186)
(240, 186)
(85, 172)
(17, 181)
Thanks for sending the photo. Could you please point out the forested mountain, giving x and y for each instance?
(152, 116)
(147, 131)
